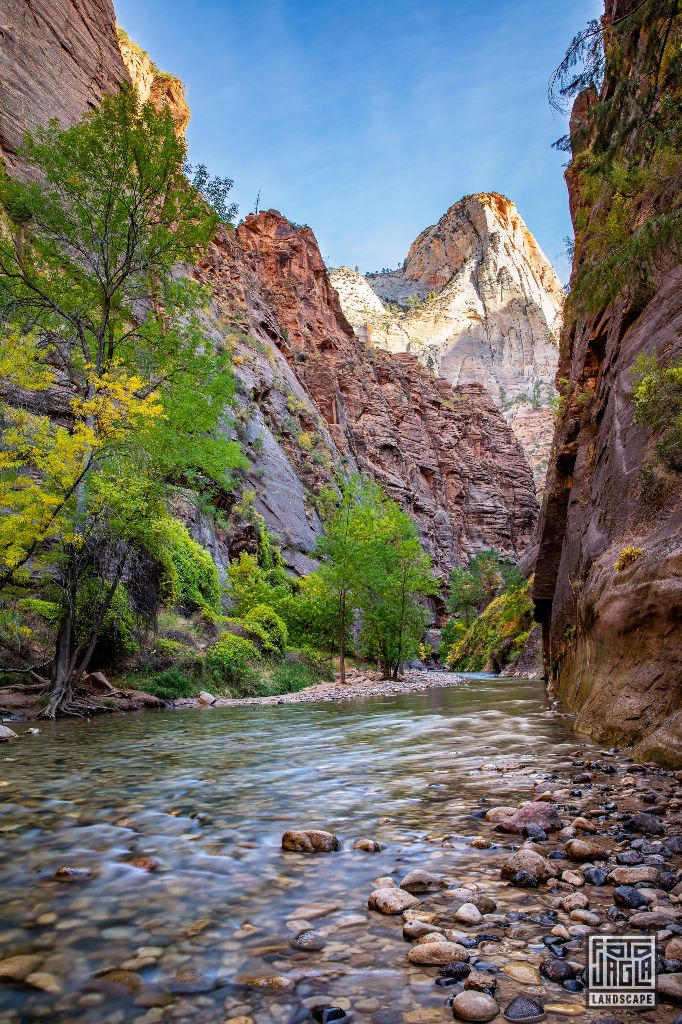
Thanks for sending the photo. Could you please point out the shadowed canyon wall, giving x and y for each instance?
(613, 631)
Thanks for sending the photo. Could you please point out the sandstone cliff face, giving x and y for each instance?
(444, 453)
(56, 60)
(159, 87)
(613, 639)
(477, 302)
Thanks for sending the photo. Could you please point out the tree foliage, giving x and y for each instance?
(113, 395)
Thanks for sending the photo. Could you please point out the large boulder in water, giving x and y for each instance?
(516, 819)
(309, 840)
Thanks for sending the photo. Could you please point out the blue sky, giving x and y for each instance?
(366, 119)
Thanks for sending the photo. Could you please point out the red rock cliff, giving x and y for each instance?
(613, 639)
(446, 454)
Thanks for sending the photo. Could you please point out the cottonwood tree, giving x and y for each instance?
(373, 562)
(113, 393)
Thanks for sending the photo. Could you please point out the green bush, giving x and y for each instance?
(189, 574)
(170, 684)
(290, 677)
(274, 633)
(452, 631)
(496, 637)
(172, 651)
(657, 398)
(228, 664)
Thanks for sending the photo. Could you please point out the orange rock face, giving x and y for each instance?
(445, 454)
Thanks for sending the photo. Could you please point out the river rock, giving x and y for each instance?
(476, 1006)
(587, 849)
(628, 896)
(276, 982)
(17, 968)
(468, 914)
(431, 954)
(309, 841)
(556, 970)
(481, 981)
(522, 972)
(486, 904)
(391, 900)
(632, 875)
(144, 863)
(530, 864)
(368, 845)
(673, 948)
(7, 734)
(309, 941)
(206, 698)
(650, 921)
(643, 822)
(44, 981)
(525, 1010)
(574, 901)
(421, 881)
(515, 819)
(71, 874)
(417, 930)
(670, 987)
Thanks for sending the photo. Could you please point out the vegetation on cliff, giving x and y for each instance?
(490, 605)
(627, 152)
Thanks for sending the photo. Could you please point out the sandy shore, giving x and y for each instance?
(358, 684)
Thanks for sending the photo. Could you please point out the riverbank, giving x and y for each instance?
(359, 683)
(25, 704)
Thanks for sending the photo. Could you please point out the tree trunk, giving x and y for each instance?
(342, 637)
(62, 676)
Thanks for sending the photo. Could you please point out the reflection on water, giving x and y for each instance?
(208, 793)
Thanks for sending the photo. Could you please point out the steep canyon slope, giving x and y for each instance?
(477, 301)
(314, 401)
(608, 583)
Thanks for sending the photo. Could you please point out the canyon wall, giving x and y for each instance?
(477, 301)
(608, 581)
(57, 58)
(314, 401)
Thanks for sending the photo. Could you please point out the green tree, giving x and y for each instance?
(464, 595)
(93, 310)
(373, 563)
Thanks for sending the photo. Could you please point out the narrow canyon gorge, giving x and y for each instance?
(385, 567)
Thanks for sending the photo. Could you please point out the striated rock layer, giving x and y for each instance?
(613, 638)
(57, 58)
(476, 301)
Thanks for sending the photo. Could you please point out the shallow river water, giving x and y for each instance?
(208, 793)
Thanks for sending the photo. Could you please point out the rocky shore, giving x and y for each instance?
(359, 683)
(597, 853)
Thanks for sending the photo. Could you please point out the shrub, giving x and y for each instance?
(627, 556)
(657, 398)
(230, 655)
(272, 629)
(190, 576)
(167, 651)
(170, 684)
(453, 630)
(47, 610)
(497, 635)
(290, 677)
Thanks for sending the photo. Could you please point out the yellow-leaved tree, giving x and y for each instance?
(112, 394)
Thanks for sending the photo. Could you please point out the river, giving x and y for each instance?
(208, 793)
